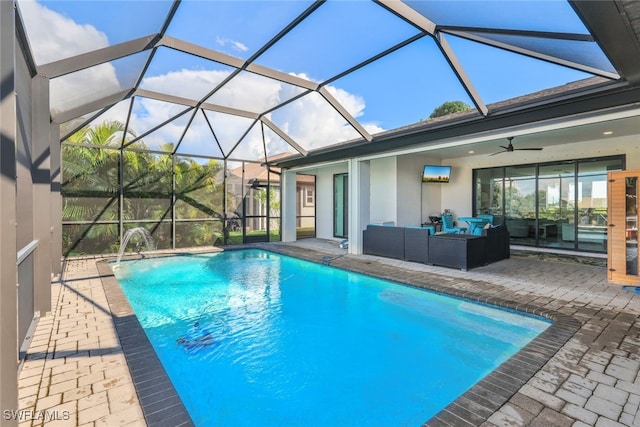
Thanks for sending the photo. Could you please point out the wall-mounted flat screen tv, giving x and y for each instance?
(435, 173)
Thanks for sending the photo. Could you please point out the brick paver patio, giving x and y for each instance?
(76, 372)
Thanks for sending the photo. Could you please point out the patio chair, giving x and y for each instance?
(448, 227)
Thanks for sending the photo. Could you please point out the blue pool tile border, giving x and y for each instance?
(472, 408)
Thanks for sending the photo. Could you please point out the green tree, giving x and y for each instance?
(90, 185)
(274, 200)
(449, 107)
(91, 190)
(199, 195)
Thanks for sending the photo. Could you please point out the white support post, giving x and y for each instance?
(288, 194)
(358, 203)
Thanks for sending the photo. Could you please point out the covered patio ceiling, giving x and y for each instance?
(256, 80)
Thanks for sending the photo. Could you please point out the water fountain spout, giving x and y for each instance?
(146, 236)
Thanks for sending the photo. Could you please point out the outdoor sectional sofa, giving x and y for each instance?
(415, 244)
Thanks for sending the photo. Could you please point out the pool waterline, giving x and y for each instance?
(533, 361)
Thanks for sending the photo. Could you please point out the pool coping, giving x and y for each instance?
(471, 408)
(161, 405)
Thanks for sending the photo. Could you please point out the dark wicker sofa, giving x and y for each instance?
(461, 251)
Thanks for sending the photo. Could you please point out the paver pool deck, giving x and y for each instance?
(76, 374)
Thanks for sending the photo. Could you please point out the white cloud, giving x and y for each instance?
(250, 92)
(117, 113)
(310, 121)
(355, 105)
(314, 123)
(235, 45)
(53, 36)
(150, 113)
(185, 83)
(90, 84)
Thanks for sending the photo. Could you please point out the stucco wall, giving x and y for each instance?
(384, 190)
(397, 191)
(416, 200)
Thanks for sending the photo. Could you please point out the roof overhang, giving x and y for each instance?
(597, 98)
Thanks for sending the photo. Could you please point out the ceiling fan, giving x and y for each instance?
(509, 148)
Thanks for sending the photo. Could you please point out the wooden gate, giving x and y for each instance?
(622, 246)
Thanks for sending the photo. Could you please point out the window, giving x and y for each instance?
(309, 197)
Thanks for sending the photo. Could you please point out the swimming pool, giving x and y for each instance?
(252, 337)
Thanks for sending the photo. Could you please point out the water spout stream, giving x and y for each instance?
(146, 236)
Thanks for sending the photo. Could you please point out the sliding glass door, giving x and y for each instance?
(520, 201)
(592, 212)
(555, 205)
(488, 189)
(341, 205)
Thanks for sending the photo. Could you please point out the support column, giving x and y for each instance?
(8, 250)
(359, 199)
(288, 193)
(56, 199)
(41, 176)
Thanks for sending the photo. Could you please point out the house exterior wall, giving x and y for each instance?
(384, 190)
(396, 192)
(416, 200)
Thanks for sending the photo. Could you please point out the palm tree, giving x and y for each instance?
(199, 194)
(90, 185)
(91, 189)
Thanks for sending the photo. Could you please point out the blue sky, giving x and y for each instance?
(398, 90)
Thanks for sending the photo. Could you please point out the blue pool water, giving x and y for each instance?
(254, 338)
